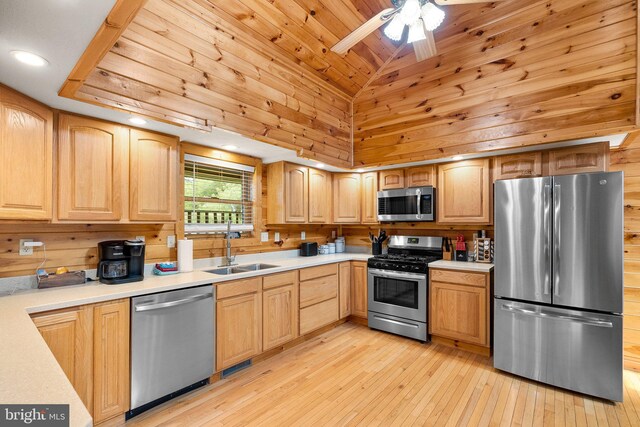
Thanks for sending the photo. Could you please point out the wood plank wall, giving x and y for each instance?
(508, 74)
(628, 161)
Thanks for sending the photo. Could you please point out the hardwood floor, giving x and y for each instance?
(352, 375)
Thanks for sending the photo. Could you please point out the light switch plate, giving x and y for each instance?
(25, 251)
(303, 235)
(276, 237)
(171, 241)
(264, 236)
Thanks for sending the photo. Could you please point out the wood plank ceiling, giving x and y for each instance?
(508, 74)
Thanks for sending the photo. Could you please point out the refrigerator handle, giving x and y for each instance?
(548, 237)
(556, 239)
(591, 321)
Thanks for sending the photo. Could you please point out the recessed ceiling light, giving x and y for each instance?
(456, 158)
(29, 58)
(230, 147)
(137, 121)
(359, 170)
(320, 165)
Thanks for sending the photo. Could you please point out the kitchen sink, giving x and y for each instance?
(240, 268)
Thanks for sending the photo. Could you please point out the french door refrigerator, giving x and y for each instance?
(558, 281)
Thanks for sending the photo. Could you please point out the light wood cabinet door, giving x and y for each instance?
(90, 162)
(518, 166)
(391, 179)
(344, 294)
(359, 289)
(420, 176)
(296, 193)
(279, 316)
(238, 329)
(464, 192)
(26, 150)
(69, 335)
(579, 159)
(319, 196)
(369, 198)
(458, 312)
(111, 359)
(346, 198)
(318, 315)
(153, 177)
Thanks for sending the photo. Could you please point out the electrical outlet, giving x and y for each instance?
(171, 241)
(264, 236)
(333, 234)
(276, 237)
(140, 238)
(25, 251)
(303, 235)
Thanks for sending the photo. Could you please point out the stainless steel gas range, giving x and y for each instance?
(398, 286)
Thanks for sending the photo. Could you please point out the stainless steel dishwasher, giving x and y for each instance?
(172, 345)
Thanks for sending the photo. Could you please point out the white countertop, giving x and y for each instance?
(28, 371)
(460, 265)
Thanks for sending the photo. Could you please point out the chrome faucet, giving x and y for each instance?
(228, 259)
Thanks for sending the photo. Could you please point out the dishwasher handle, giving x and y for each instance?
(167, 304)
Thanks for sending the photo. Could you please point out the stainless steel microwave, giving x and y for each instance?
(407, 204)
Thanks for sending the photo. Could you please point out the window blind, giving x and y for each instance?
(216, 192)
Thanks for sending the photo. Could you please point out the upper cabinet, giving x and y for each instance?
(420, 176)
(579, 159)
(319, 196)
(296, 188)
(464, 192)
(153, 176)
(525, 165)
(26, 147)
(391, 179)
(90, 167)
(346, 198)
(369, 197)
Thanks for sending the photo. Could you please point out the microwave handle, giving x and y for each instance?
(418, 194)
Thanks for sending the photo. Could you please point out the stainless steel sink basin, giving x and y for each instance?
(240, 268)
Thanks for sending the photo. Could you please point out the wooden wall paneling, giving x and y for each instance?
(582, 49)
(90, 163)
(26, 138)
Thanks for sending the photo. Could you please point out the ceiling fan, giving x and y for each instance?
(420, 16)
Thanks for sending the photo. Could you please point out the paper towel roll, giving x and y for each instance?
(185, 255)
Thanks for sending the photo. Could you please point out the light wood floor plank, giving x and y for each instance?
(352, 375)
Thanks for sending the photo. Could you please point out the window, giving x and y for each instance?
(216, 192)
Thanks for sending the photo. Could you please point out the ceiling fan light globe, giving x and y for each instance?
(410, 12)
(432, 16)
(395, 28)
(416, 32)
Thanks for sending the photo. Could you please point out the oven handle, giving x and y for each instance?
(395, 322)
(397, 274)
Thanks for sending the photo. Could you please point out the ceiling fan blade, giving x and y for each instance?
(446, 2)
(425, 48)
(363, 31)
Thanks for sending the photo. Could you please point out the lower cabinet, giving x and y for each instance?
(319, 305)
(238, 322)
(359, 289)
(460, 306)
(91, 344)
(279, 309)
(344, 292)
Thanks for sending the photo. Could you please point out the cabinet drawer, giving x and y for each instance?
(281, 279)
(462, 277)
(318, 290)
(320, 271)
(318, 315)
(238, 287)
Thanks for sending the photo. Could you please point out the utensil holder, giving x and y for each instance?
(376, 248)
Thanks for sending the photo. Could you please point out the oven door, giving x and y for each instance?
(398, 293)
(411, 204)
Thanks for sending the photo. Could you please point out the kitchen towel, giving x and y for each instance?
(185, 255)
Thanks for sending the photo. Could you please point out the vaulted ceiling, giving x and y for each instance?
(508, 74)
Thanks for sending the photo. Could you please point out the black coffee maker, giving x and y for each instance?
(120, 261)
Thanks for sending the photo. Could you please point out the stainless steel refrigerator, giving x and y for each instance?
(558, 281)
